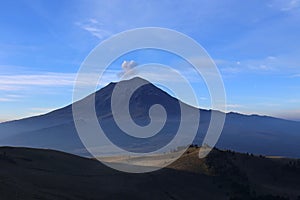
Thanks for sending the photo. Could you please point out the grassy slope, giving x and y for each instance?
(46, 174)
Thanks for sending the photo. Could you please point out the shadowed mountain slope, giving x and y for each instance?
(242, 133)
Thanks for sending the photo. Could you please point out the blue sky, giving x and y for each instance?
(255, 45)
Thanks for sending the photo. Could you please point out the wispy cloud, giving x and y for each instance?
(290, 5)
(31, 82)
(268, 64)
(20, 81)
(4, 99)
(10, 87)
(284, 5)
(94, 27)
(10, 98)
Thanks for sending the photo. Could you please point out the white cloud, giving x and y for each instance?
(94, 27)
(128, 65)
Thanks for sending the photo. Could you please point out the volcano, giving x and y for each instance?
(243, 133)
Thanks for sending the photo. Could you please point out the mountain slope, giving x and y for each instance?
(47, 174)
(56, 130)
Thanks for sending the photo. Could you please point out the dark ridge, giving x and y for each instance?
(46, 174)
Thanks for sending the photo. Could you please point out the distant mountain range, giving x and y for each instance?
(242, 133)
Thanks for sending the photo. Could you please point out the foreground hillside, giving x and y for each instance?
(46, 174)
